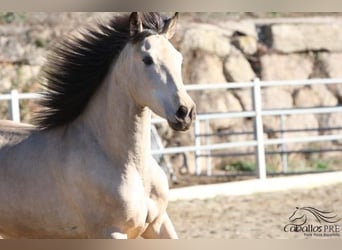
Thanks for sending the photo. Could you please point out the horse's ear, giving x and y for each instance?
(170, 26)
(135, 24)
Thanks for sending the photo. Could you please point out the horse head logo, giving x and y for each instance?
(302, 214)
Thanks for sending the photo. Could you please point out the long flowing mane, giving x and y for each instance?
(78, 65)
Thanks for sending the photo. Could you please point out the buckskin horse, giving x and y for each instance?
(84, 169)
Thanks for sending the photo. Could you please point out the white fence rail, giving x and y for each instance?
(257, 114)
(14, 99)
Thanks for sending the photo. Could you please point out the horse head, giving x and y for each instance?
(153, 70)
(298, 217)
(301, 214)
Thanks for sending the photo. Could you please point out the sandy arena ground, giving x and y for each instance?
(257, 216)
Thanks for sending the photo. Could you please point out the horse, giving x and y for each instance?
(84, 168)
(301, 215)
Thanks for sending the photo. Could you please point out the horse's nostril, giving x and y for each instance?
(182, 112)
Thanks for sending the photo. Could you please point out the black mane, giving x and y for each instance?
(78, 65)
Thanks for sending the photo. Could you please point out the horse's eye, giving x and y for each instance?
(148, 60)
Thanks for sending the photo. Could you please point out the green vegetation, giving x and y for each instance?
(11, 17)
(321, 165)
(7, 17)
(240, 166)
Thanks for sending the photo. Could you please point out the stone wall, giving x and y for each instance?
(230, 51)
(223, 50)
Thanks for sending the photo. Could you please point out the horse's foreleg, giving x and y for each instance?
(161, 228)
(119, 236)
(113, 233)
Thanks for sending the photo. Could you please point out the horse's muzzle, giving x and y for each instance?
(183, 118)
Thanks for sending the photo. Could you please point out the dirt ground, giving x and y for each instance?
(257, 216)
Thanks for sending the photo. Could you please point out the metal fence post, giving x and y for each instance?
(197, 144)
(258, 130)
(14, 106)
(207, 142)
(283, 145)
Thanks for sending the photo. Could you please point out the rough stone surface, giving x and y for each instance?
(285, 67)
(235, 133)
(307, 126)
(201, 67)
(207, 38)
(276, 98)
(307, 121)
(327, 98)
(11, 50)
(5, 85)
(289, 38)
(247, 44)
(333, 120)
(331, 62)
(314, 96)
(209, 102)
(243, 27)
(245, 98)
(306, 97)
(238, 69)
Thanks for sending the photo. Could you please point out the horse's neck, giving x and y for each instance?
(122, 128)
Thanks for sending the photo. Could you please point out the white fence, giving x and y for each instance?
(257, 114)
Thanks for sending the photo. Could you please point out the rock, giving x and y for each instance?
(12, 30)
(306, 97)
(314, 96)
(333, 120)
(7, 77)
(244, 27)
(286, 67)
(295, 126)
(222, 101)
(35, 55)
(207, 38)
(7, 70)
(238, 69)
(326, 97)
(245, 98)
(331, 62)
(276, 98)
(247, 44)
(218, 102)
(11, 50)
(22, 77)
(201, 67)
(308, 126)
(236, 133)
(26, 75)
(5, 85)
(288, 38)
(307, 122)
(41, 37)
